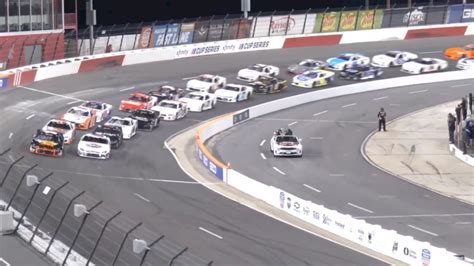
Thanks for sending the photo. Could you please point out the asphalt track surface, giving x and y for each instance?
(146, 183)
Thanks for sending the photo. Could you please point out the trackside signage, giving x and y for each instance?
(216, 170)
(279, 25)
(3, 82)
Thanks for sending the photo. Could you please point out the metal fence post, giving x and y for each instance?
(148, 249)
(108, 37)
(209, 28)
(95, 39)
(375, 13)
(136, 35)
(31, 200)
(238, 28)
(288, 21)
(32, 53)
(444, 14)
(255, 25)
(56, 48)
(100, 236)
(223, 25)
(46, 210)
(19, 184)
(9, 169)
(61, 221)
(176, 256)
(123, 242)
(195, 24)
(123, 35)
(179, 30)
(305, 18)
(339, 20)
(322, 21)
(391, 16)
(271, 21)
(80, 229)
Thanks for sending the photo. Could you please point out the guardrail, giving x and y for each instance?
(387, 242)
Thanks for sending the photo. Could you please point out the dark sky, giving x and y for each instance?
(134, 11)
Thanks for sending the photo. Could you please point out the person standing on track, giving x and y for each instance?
(382, 115)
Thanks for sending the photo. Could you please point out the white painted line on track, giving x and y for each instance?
(463, 223)
(380, 98)
(50, 93)
(318, 138)
(127, 89)
(10, 136)
(312, 188)
(263, 142)
(278, 170)
(460, 85)
(422, 230)
(394, 104)
(349, 105)
(290, 124)
(263, 156)
(336, 174)
(73, 102)
(430, 52)
(320, 113)
(141, 197)
(415, 92)
(30, 116)
(211, 233)
(11, 158)
(190, 77)
(359, 207)
(2, 260)
(416, 215)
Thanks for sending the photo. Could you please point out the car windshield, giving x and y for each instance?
(232, 88)
(168, 105)
(195, 97)
(119, 122)
(345, 57)
(292, 139)
(59, 125)
(138, 98)
(391, 54)
(256, 68)
(312, 74)
(93, 105)
(307, 63)
(142, 113)
(47, 137)
(105, 130)
(424, 61)
(205, 79)
(164, 90)
(469, 47)
(76, 111)
(95, 139)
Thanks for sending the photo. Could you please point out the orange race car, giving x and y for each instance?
(138, 101)
(83, 118)
(456, 53)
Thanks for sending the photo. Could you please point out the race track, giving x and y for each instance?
(148, 186)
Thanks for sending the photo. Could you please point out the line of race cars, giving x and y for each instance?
(170, 103)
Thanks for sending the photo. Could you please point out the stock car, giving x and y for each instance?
(128, 125)
(66, 128)
(138, 101)
(171, 110)
(114, 134)
(167, 92)
(206, 83)
(465, 63)
(251, 73)
(83, 118)
(267, 84)
(306, 65)
(456, 53)
(286, 145)
(147, 119)
(347, 59)
(423, 65)
(313, 79)
(392, 58)
(358, 72)
(47, 143)
(100, 109)
(94, 146)
(234, 93)
(199, 101)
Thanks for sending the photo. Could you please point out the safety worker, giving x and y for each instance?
(382, 116)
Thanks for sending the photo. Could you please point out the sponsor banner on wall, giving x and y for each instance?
(281, 25)
(436, 15)
(186, 33)
(201, 31)
(369, 19)
(222, 29)
(216, 170)
(145, 40)
(329, 22)
(242, 116)
(165, 35)
(3, 82)
(403, 17)
(461, 13)
(348, 20)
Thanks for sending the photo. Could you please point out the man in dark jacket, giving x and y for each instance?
(458, 113)
(451, 127)
(382, 115)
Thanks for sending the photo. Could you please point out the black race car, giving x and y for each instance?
(114, 133)
(47, 143)
(267, 84)
(147, 119)
(360, 72)
(167, 93)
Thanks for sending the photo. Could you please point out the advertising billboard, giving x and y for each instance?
(369, 19)
(3, 82)
(281, 25)
(461, 13)
(145, 40)
(402, 17)
(348, 20)
(216, 170)
(186, 33)
(165, 35)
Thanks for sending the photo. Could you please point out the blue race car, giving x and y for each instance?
(347, 59)
(360, 72)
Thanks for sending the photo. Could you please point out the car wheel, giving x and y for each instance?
(315, 84)
(202, 108)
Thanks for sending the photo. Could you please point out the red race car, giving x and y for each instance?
(138, 101)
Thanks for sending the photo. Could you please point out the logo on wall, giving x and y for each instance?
(316, 215)
(145, 36)
(395, 247)
(409, 252)
(468, 13)
(282, 25)
(202, 30)
(282, 199)
(329, 21)
(414, 17)
(288, 202)
(366, 19)
(296, 206)
(425, 257)
(306, 210)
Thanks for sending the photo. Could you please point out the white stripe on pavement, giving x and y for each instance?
(415, 216)
(320, 113)
(190, 77)
(10, 136)
(127, 89)
(290, 124)
(316, 138)
(348, 105)
(73, 102)
(211, 233)
(263, 156)
(359, 207)
(430, 52)
(141, 197)
(312, 188)
(30, 116)
(380, 98)
(49, 93)
(414, 92)
(422, 230)
(278, 170)
(461, 85)
(263, 142)
(336, 174)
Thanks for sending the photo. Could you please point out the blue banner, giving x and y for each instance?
(216, 170)
(461, 13)
(3, 82)
(165, 35)
(187, 33)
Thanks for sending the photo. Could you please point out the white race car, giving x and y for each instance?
(199, 101)
(286, 145)
(313, 79)
(129, 125)
(101, 110)
(83, 118)
(392, 58)
(252, 72)
(93, 146)
(66, 128)
(465, 63)
(347, 60)
(171, 110)
(234, 93)
(423, 65)
(206, 83)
